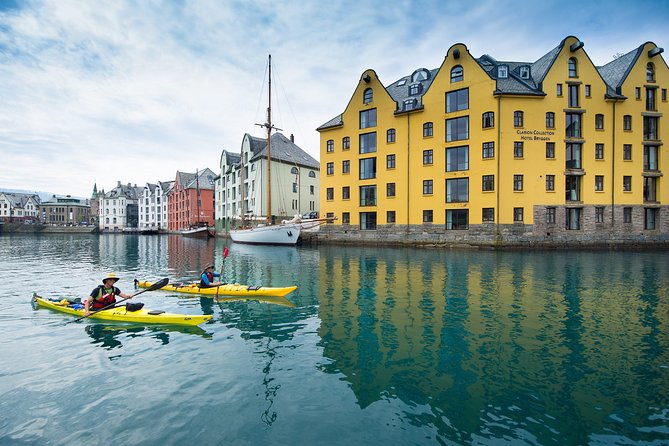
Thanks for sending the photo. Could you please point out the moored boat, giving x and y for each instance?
(202, 231)
(228, 289)
(121, 314)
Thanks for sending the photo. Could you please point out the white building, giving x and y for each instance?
(18, 207)
(294, 182)
(153, 206)
(119, 207)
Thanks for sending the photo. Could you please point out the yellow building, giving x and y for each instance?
(482, 151)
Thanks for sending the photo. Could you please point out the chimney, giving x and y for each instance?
(119, 183)
(292, 138)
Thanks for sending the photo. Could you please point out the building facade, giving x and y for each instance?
(18, 207)
(65, 211)
(243, 184)
(488, 152)
(153, 206)
(119, 207)
(190, 200)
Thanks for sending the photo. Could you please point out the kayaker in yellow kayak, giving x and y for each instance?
(104, 295)
(207, 277)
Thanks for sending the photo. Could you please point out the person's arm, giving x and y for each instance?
(205, 280)
(87, 304)
(123, 295)
(217, 275)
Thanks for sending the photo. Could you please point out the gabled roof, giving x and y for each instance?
(284, 150)
(616, 71)
(203, 180)
(334, 122)
(19, 200)
(124, 190)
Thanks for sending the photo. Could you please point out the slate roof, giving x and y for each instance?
(334, 122)
(19, 200)
(400, 89)
(203, 180)
(616, 71)
(124, 190)
(283, 149)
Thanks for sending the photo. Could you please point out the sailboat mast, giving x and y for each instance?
(269, 152)
(197, 194)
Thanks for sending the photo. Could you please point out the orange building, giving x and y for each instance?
(190, 203)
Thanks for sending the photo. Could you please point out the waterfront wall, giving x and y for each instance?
(10, 228)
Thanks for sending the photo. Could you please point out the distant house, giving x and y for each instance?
(65, 210)
(119, 208)
(153, 205)
(190, 202)
(18, 207)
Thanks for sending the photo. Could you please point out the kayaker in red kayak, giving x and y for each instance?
(104, 295)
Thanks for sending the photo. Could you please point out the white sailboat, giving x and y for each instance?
(268, 233)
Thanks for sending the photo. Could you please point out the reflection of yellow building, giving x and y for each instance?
(484, 151)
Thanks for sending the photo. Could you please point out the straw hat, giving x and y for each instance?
(111, 276)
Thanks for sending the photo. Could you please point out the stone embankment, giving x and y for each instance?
(21, 228)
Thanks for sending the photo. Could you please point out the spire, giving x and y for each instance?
(95, 190)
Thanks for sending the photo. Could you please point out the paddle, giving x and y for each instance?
(155, 286)
(220, 276)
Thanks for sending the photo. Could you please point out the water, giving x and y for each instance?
(384, 346)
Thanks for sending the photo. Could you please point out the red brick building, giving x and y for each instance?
(190, 203)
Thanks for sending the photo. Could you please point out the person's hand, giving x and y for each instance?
(87, 313)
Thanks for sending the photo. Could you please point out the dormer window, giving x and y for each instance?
(572, 67)
(368, 96)
(502, 71)
(414, 89)
(409, 104)
(650, 73)
(524, 72)
(420, 75)
(457, 74)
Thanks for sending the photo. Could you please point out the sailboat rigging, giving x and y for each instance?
(269, 233)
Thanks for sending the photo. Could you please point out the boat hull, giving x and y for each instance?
(120, 314)
(283, 234)
(229, 289)
(203, 232)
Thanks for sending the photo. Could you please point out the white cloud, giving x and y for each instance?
(135, 90)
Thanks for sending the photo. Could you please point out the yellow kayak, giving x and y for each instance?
(120, 313)
(228, 289)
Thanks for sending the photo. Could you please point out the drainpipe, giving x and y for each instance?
(613, 170)
(499, 164)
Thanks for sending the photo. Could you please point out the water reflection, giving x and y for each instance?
(481, 337)
(107, 336)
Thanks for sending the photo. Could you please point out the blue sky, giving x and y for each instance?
(134, 90)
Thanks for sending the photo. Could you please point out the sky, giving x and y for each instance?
(97, 92)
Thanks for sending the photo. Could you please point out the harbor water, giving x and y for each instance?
(376, 346)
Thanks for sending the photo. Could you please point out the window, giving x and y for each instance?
(409, 104)
(518, 215)
(550, 183)
(457, 74)
(573, 125)
(390, 217)
(599, 151)
(518, 182)
(419, 75)
(329, 193)
(650, 128)
(346, 193)
(390, 189)
(517, 149)
(489, 149)
(346, 143)
(457, 129)
(524, 72)
(488, 120)
(488, 183)
(330, 168)
(650, 189)
(650, 99)
(367, 195)
(368, 142)
(599, 214)
(650, 72)
(346, 218)
(550, 216)
(573, 219)
(346, 166)
(627, 152)
(587, 91)
(550, 150)
(330, 145)
(488, 215)
(664, 95)
(457, 100)
(637, 93)
(367, 168)
(599, 121)
(558, 89)
(550, 120)
(573, 188)
(428, 187)
(427, 130)
(650, 158)
(627, 183)
(390, 135)
(502, 71)
(518, 118)
(427, 216)
(573, 156)
(457, 190)
(650, 215)
(414, 89)
(457, 219)
(368, 96)
(572, 100)
(390, 161)
(572, 67)
(368, 118)
(457, 158)
(599, 183)
(627, 122)
(627, 215)
(368, 221)
(427, 157)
